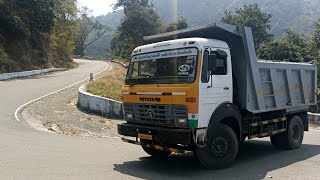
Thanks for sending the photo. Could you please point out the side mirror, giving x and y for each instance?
(212, 62)
(222, 54)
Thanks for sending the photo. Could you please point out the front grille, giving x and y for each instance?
(156, 114)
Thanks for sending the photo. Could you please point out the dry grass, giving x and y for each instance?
(314, 125)
(109, 85)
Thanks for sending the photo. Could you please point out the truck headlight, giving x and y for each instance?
(181, 121)
(129, 116)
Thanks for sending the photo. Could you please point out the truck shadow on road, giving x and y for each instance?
(254, 161)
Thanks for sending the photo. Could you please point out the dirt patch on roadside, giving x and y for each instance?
(314, 126)
(59, 113)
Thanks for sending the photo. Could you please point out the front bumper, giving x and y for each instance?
(163, 135)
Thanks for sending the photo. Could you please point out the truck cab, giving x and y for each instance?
(175, 74)
(203, 90)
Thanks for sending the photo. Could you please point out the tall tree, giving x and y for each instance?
(314, 50)
(88, 31)
(140, 20)
(182, 23)
(63, 37)
(252, 16)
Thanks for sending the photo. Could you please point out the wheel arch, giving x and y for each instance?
(228, 114)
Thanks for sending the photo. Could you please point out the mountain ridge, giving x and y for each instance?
(298, 15)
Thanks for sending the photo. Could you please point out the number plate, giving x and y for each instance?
(145, 136)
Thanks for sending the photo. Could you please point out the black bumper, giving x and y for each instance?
(168, 136)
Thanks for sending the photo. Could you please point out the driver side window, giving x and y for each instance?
(221, 67)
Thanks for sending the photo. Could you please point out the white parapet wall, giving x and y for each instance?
(98, 105)
(314, 118)
(7, 76)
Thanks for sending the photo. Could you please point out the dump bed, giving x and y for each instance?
(259, 86)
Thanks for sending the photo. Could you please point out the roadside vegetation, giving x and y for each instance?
(109, 85)
(36, 34)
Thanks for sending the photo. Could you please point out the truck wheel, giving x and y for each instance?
(276, 141)
(221, 148)
(292, 138)
(154, 152)
(243, 139)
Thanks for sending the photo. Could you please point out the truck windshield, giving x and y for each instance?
(167, 70)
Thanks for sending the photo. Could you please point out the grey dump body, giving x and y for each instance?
(259, 86)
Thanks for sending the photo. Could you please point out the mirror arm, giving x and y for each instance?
(211, 81)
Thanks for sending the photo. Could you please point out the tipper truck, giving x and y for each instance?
(203, 90)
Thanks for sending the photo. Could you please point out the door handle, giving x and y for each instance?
(226, 88)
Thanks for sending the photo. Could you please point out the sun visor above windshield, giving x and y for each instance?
(219, 31)
(166, 54)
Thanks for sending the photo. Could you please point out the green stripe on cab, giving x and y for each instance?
(193, 123)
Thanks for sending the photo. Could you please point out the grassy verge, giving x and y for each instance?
(109, 85)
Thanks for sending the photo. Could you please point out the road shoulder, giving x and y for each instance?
(58, 113)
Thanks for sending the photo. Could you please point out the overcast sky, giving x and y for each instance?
(99, 7)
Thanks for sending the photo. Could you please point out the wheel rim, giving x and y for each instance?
(219, 147)
(295, 132)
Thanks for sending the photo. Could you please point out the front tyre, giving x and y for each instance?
(221, 148)
(154, 152)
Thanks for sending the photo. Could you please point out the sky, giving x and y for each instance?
(98, 7)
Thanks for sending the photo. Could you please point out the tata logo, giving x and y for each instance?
(184, 68)
(150, 99)
(150, 114)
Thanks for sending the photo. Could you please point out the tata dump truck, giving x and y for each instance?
(203, 90)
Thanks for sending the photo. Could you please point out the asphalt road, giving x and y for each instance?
(26, 153)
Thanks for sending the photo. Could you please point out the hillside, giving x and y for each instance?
(299, 15)
(36, 34)
(100, 48)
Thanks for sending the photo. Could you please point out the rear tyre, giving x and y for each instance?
(292, 138)
(221, 148)
(276, 141)
(243, 139)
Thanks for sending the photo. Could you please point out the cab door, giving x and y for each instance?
(215, 86)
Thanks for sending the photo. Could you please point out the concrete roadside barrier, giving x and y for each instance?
(7, 76)
(98, 105)
(314, 118)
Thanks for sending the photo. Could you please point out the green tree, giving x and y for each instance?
(63, 37)
(180, 24)
(315, 42)
(88, 32)
(251, 16)
(314, 51)
(140, 20)
(291, 47)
